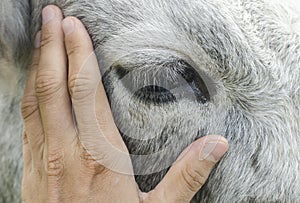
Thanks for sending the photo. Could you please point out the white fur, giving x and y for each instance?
(250, 49)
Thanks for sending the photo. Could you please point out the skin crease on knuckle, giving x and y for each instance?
(249, 48)
(194, 179)
(80, 87)
(55, 165)
(48, 39)
(74, 49)
(47, 86)
(28, 107)
(90, 163)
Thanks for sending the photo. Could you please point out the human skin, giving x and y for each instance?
(57, 167)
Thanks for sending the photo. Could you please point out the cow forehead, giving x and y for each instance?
(233, 39)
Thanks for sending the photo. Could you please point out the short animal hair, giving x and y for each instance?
(238, 60)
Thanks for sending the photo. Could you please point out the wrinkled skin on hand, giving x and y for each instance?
(72, 150)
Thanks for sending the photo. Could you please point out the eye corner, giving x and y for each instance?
(120, 71)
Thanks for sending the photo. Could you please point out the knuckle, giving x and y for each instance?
(193, 178)
(80, 87)
(35, 62)
(29, 106)
(74, 48)
(91, 163)
(86, 157)
(47, 86)
(55, 165)
(47, 38)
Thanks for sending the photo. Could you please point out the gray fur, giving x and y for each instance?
(249, 48)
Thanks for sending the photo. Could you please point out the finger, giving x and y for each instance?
(97, 130)
(51, 83)
(30, 111)
(190, 171)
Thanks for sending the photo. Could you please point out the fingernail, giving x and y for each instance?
(37, 41)
(48, 14)
(68, 26)
(214, 148)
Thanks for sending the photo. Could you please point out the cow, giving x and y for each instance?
(175, 71)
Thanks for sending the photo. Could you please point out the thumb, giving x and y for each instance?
(190, 171)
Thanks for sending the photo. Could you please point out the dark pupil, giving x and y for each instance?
(155, 95)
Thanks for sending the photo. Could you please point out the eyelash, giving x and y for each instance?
(165, 85)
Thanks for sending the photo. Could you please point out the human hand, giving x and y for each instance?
(85, 159)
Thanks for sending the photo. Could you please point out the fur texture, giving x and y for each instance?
(246, 51)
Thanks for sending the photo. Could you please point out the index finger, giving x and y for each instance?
(97, 130)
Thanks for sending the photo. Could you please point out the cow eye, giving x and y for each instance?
(165, 84)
